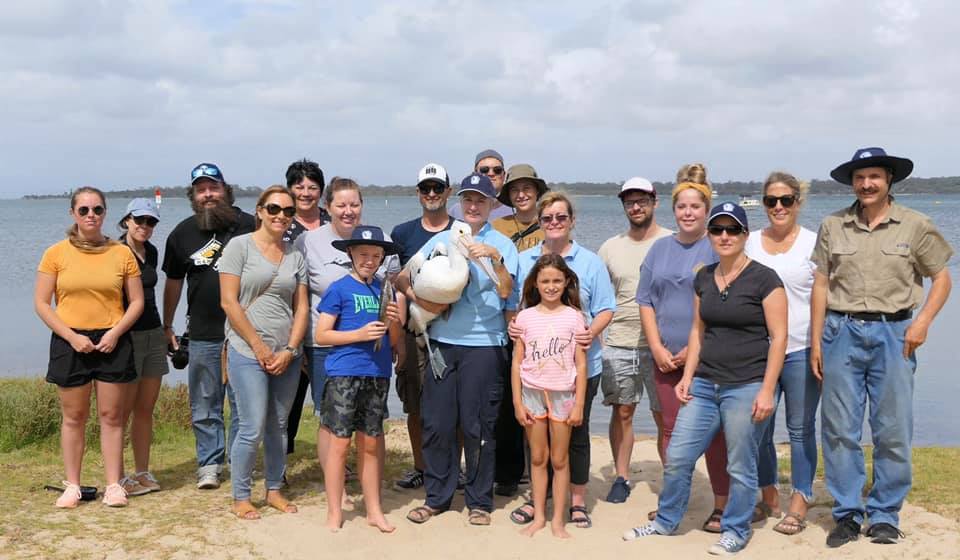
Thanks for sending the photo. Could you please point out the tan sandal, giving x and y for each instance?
(281, 504)
(245, 510)
(422, 514)
(478, 517)
(791, 524)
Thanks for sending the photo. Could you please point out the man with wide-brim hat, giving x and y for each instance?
(871, 259)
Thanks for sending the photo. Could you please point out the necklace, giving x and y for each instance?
(725, 292)
(783, 245)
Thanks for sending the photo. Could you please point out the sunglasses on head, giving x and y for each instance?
(97, 210)
(148, 221)
(435, 188)
(497, 170)
(274, 209)
(559, 218)
(206, 171)
(731, 230)
(786, 201)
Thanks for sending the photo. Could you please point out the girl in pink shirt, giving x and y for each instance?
(549, 378)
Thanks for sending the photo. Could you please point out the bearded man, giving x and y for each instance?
(193, 249)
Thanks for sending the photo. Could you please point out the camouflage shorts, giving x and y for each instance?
(355, 403)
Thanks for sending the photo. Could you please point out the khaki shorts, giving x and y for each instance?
(410, 373)
(150, 352)
(626, 371)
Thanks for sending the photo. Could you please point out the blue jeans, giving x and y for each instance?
(864, 360)
(206, 402)
(263, 401)
(714, 407)
(802, 393)
(316, 357)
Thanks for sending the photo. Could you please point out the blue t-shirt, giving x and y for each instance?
(666, 285)
(410, 236)
(355, 304)
(476, 319)
(596, 290)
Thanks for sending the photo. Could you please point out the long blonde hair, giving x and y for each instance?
(73, 232)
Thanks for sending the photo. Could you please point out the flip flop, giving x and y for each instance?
(245, 511)
(716, 516)
(521, 516)
(580, 522)
(421, 514)
(282, 505)
(791, 524)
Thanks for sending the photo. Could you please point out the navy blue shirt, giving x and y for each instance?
(410, 236)
(355, 304)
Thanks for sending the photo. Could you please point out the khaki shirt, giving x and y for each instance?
(879, 270)
(512, 228)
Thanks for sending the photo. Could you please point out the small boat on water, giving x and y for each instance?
(749, 202)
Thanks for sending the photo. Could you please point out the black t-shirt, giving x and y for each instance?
(150, 319)
(410, 236)
(296, 228)
(735, 340)
(193, 254)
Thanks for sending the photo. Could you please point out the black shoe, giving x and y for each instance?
(847, 530)
(411, 480)
(507, 489)
(884, 533)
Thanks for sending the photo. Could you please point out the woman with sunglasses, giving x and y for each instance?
(786, 247)
(149, 345)
(325, 265)
(734, 356)
(556, 216)
(263, 291)
(665, 296)
(87, 275)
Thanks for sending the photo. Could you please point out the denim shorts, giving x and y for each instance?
(626, 371)
(315, 358)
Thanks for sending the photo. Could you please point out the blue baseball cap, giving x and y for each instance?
(477, 183)
(206, 171)
(731, 209)
(142, 207)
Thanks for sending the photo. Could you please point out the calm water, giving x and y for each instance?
(28, 227)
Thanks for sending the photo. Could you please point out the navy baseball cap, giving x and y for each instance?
(206, 171)
(366, 235)
(731, 209)
(477, 183)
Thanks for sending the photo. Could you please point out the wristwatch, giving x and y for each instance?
(293, 351)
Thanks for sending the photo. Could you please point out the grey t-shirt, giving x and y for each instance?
(326, 264)
(266, 291)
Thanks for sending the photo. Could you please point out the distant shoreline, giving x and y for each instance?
(931, 185)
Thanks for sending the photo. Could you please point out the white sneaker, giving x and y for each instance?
(133, 487)
(640, 532)
(208, 480)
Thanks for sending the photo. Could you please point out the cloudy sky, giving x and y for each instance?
(120, 94)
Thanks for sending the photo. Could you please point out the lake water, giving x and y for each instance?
(27, 227)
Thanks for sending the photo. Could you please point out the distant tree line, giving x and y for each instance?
(913, 185)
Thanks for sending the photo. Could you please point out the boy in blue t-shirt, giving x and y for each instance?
(358, 373)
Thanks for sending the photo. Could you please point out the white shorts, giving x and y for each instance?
(543, 403)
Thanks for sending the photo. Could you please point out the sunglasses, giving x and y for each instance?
(497, 170)
(550, 218)
(274, 209)
(148, 221)
(206, 171)
(733, 230)
(435, 188)
(97, 210)
(786, 201)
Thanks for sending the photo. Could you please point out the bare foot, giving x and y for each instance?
(334, 521)
(533, 527)
(559, 530)
(380, 522)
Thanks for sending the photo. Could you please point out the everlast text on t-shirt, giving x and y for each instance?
(193, 254)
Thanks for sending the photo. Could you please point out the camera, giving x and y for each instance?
(181, 356)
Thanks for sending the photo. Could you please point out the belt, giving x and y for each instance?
(901, 315)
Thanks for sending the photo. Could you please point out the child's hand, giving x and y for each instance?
(513, 330)
(524, 418)
(393, 312)
(576, 416)
(371, 331)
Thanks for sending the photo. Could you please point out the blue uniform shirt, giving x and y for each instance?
(596, 290)
(476, 319)
(355, 304)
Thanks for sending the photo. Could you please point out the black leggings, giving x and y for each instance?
(580, 438)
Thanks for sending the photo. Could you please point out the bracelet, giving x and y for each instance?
(165, 327)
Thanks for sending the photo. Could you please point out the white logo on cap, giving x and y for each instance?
(728, 207)
(865, 155)
(366, 234)
(475, 180)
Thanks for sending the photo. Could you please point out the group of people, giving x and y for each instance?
(715, 323)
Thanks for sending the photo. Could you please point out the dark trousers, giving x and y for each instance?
(467, 395)
(510, 448)
(293, 422)
(580, 438)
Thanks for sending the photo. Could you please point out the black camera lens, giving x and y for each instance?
(181, 356)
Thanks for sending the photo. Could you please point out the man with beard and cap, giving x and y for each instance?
(433, 190)
(193, 249)
(489, 163)
(627, 363)
(871, 259)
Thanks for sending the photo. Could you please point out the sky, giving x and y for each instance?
(121, 94)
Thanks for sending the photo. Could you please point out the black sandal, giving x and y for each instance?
(581, 522)
(716, 516)
(521, 516)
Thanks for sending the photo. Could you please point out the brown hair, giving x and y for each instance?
(554, 196)
(340, 184)
(695, 173)
(570, 295)
(798, 187)
(267, 193)
(73, 232)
